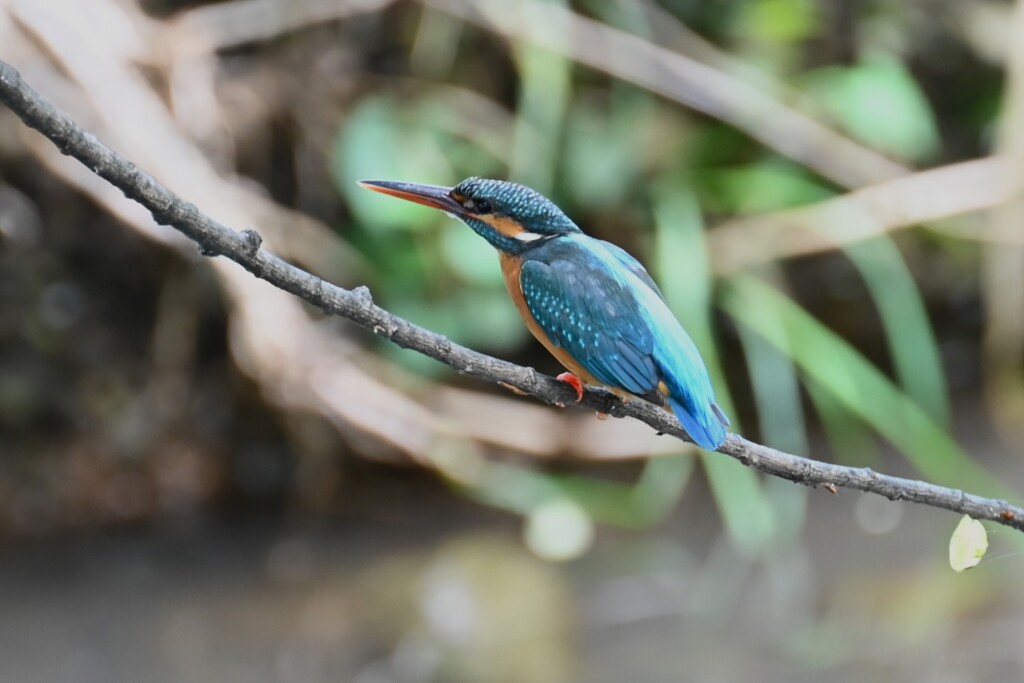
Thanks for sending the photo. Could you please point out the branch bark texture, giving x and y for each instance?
(357, 305)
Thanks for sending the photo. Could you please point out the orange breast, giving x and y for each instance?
(511, 267)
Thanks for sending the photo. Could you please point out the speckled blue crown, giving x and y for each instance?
(529, 208)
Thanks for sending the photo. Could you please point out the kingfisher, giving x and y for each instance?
(588, 301)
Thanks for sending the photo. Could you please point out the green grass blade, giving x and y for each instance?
(915, 352)
(852, 441)
(544, 93)
(776, 389)
(858, 385)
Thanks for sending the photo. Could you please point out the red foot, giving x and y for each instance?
(573, 381)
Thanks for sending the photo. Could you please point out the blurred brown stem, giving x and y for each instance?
(871, 211)
(357, 305)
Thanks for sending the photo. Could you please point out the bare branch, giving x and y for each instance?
(239, 22)
(357, 305)
(871, 211)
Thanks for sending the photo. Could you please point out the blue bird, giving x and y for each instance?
(590, 303)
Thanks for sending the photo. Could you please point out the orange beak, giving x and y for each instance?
(435, 196)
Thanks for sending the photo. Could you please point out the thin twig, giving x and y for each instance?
(357, 305)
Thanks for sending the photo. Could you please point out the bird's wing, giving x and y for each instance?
(595, 305)
(634, 266)
(593, 316)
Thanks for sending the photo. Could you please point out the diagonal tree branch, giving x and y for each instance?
(357, 305)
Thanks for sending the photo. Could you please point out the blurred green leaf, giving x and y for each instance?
(598, 160)
(486, 318)
(778, 20)
(851, 440)
(614, 145)
(544, 93)
(470, 257)
(711, 145)
(768, 185)
(780, 415)
(776, 390)
(376, 143)
(397, 257)
(858, 385)
(912, 343)
(478, 317)
(879, 102)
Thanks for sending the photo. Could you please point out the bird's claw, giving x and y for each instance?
(573, 381)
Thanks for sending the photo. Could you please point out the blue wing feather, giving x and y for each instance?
(589, 316)
(634, 266)
(599, 304)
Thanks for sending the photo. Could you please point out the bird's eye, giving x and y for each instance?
(482, 206)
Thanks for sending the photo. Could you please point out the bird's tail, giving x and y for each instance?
(690, 394)
(705, 424)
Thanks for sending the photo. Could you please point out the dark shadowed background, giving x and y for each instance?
(204, 479)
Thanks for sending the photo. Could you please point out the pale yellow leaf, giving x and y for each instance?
(967, 545)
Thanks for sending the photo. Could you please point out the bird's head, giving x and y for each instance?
(510, 216)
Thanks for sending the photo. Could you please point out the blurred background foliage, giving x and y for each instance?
(153, 408)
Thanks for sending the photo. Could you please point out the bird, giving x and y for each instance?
(589, 302)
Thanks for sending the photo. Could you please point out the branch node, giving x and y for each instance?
(253, 240)
(613, 405)
(387, 330)
(208, 250)
(362, 293)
